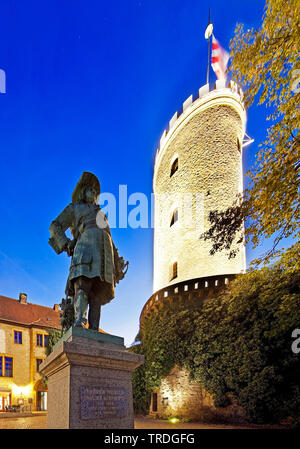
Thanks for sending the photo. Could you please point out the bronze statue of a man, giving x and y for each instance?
(96, 266)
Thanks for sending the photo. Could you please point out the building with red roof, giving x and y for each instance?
(24, 334)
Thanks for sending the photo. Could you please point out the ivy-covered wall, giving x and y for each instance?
(236, 346)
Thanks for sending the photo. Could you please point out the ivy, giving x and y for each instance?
(237, 345)
(54, 336)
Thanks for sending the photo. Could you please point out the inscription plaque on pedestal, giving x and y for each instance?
(102, 402)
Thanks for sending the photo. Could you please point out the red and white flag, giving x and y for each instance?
(219, 59)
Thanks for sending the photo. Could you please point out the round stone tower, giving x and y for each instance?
(198, 169)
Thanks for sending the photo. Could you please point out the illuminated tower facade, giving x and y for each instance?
(198, 169)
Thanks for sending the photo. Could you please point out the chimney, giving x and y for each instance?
(23, 298)
(56, 307)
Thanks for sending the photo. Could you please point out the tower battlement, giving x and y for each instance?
(200, 289)
(204, 96)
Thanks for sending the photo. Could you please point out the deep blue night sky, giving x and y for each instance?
(91, 85)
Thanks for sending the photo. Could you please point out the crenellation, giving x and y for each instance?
(163, 137)
(204, 91)
(220, 84)
(187, 103)
(173, 120)
(185, 291)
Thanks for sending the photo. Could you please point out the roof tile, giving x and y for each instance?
(28, 314)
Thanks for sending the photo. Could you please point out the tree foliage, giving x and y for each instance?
(54, 336)
(237, 345)
(266, 63)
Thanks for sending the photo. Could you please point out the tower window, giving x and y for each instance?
(174, 271)
(174, 167)
(174, 217)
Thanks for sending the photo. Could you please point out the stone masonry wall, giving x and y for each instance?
(180, 397)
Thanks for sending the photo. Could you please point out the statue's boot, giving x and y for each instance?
(94, 316)
(81, 305)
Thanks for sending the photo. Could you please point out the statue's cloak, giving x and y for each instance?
(94, 255)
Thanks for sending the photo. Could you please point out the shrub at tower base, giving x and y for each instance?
(238, 345)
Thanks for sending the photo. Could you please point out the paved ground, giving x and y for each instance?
(38, 421)
(149, 423)
(23, 421)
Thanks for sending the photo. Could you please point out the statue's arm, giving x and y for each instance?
(58, 227)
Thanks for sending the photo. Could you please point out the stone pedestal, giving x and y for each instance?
(89, 381)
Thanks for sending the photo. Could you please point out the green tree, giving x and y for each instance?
(266, 63)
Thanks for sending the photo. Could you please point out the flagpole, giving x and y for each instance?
(208, 42)
(208, 33)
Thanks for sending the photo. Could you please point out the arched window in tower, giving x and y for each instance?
(174, 217)
(174, 271)
(174, 167)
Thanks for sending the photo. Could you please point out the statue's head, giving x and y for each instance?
(87, 189)
(90, 195)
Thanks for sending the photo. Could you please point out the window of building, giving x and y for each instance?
(6, 366)
(5, 401)
(39, 339)
(8, 362)
(46, 340)
(38, 362)
(42, 400)
(18, 337)
(174, 167)
(165, 402)
(174, 271)
(174, 217)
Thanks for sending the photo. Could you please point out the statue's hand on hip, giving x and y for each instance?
(70, 247)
